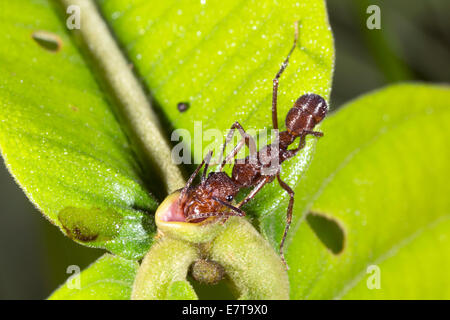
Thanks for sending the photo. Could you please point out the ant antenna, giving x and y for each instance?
(278, 75)
(238, 210)
(207, 160)
(193, 175)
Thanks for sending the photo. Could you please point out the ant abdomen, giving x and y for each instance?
(306, 113)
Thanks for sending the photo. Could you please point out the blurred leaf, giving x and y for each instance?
(380, 42)
(108, 278)
(60, 139)
(381, 174)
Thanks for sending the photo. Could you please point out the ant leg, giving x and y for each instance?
(226, 214)
(254, 191)
(206, 161)
(314, 133)
(292, 152)
(234, 212)
(238, 211)
(301, 145)
(232, 154)
(248, 139)
(285, 186)
(277, 77)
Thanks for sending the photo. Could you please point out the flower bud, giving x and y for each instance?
(170, 221)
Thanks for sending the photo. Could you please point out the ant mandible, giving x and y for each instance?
(213, 196)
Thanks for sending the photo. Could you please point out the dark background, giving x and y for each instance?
(412, 45)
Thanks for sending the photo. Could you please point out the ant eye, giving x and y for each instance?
(229, 197)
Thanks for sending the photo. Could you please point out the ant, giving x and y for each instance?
(214, 195)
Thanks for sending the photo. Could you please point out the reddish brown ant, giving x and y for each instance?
(213, 196)
(210, 197)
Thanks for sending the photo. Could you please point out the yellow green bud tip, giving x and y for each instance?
(170, 221)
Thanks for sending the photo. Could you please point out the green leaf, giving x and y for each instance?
(380, 173)
(60, 138)
(108, 278)
(223, 66)
(74, 132)
(64, 145)
(378, 177)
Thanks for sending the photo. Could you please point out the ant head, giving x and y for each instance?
(202, 198)
(212, 197)
(306, 113)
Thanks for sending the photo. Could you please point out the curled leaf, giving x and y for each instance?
(170, 221)
(251, 264)
(164, 267)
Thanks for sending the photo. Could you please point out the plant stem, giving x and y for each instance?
(130, 99)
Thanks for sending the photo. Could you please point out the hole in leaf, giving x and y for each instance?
(47, 40)
(328, 230)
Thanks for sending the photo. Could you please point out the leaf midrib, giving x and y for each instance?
(128, 96)
(390, 253)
